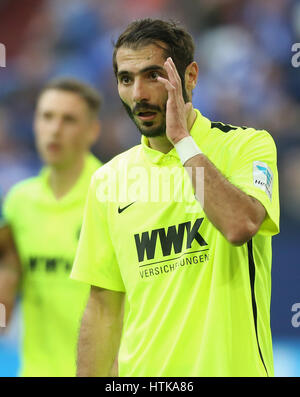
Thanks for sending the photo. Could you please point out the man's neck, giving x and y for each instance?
(162, 143)
(61, 180)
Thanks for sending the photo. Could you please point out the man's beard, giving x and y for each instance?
(155, 131)
(149, 132)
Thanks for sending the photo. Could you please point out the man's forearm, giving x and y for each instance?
(100, 334)
(233, 212)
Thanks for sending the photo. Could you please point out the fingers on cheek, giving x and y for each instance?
(163, 81)
(175, 79)
(173, 69)
(170, 70)
(166, 83)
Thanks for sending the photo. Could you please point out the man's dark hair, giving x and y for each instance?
(91, 97)
(179, 43)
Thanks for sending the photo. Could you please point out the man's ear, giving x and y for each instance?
(191, 76)
(95, 131)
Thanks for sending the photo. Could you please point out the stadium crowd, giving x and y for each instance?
(244, 49)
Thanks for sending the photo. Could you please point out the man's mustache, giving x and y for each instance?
(144, 106)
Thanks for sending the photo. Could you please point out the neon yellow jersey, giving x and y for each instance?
(47, 232)
(195, 304)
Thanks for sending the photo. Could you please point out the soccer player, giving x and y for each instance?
(194, 274)
(45, 216)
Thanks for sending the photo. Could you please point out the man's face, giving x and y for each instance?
(63, 127)
(142, 95)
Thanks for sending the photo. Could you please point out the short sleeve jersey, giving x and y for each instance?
(195, 304)
(46, 232)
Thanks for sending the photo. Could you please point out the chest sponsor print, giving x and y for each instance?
(174, 241)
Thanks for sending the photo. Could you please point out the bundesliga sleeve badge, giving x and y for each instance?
(263, 177)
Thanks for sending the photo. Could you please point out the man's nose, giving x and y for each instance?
(55, 127)
(140, 92)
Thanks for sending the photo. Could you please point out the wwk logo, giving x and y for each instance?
(146, 242)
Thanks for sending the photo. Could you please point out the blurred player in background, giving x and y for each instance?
(45, 216)
(197, 277)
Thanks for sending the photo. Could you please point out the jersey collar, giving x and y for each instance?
(78, 191)
(198, 131)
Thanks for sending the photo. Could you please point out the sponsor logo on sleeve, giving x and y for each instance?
(263, 177)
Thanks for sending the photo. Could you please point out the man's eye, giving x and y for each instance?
(69, 119)
(125, 79)
(47, 116)
(154, 75)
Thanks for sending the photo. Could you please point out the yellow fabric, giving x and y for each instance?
(195, 304)
(47, 232)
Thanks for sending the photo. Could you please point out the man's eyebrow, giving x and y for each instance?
(144, 70)
(152, 68)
